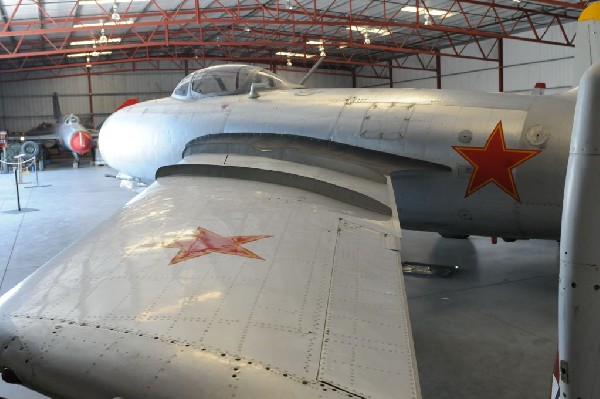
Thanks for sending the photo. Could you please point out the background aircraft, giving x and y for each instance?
(67, 131)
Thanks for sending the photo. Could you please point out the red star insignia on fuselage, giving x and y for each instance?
(204, 242)
(494, 163)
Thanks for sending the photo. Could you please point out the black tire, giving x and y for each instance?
(30, 148)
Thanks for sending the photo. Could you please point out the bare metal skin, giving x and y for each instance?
(420, 125)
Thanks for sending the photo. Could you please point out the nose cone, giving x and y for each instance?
(81, 142)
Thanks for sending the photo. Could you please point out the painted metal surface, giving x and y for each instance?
(579, 287)
(317, 310)
(417, 124)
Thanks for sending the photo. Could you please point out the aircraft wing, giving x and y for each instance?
(231, 276)
(44, 137)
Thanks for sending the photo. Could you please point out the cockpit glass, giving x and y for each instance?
(272, 81)
(219, 81)
(213, 84)
(226, 80)
(182, 88)
(72, 120)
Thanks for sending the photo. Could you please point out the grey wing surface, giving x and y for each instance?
(222, 281)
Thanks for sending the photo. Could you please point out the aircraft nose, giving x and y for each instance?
(81, 142)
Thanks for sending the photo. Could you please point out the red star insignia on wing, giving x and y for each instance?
(493, 163)
(204, 242)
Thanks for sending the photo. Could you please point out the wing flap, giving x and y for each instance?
(367, 320)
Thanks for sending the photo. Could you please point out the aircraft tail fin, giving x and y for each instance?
(587, 41)
(127, 103)
(56, 107)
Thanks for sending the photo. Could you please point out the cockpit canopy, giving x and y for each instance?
(71, 120)
(223, 80)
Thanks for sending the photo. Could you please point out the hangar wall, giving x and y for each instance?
(525, 63)
(27, 103)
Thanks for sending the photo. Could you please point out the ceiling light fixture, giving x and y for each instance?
(115, 15)
(435, 12)
(365, 29)
(102, 23)
(102, 39)
(289, 62)
(317, 42)
(92, 42)
(290, 54)
(87, 55)
(322, 52)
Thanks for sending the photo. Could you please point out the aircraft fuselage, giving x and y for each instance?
(514, 198)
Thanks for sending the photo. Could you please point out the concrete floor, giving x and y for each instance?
(488, 331)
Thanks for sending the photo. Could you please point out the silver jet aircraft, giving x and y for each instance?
(475, 163)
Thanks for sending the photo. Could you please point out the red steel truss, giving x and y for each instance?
(252, 31)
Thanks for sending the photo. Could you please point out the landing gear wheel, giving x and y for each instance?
(30, 148)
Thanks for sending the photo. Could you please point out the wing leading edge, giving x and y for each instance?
(219, 281)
